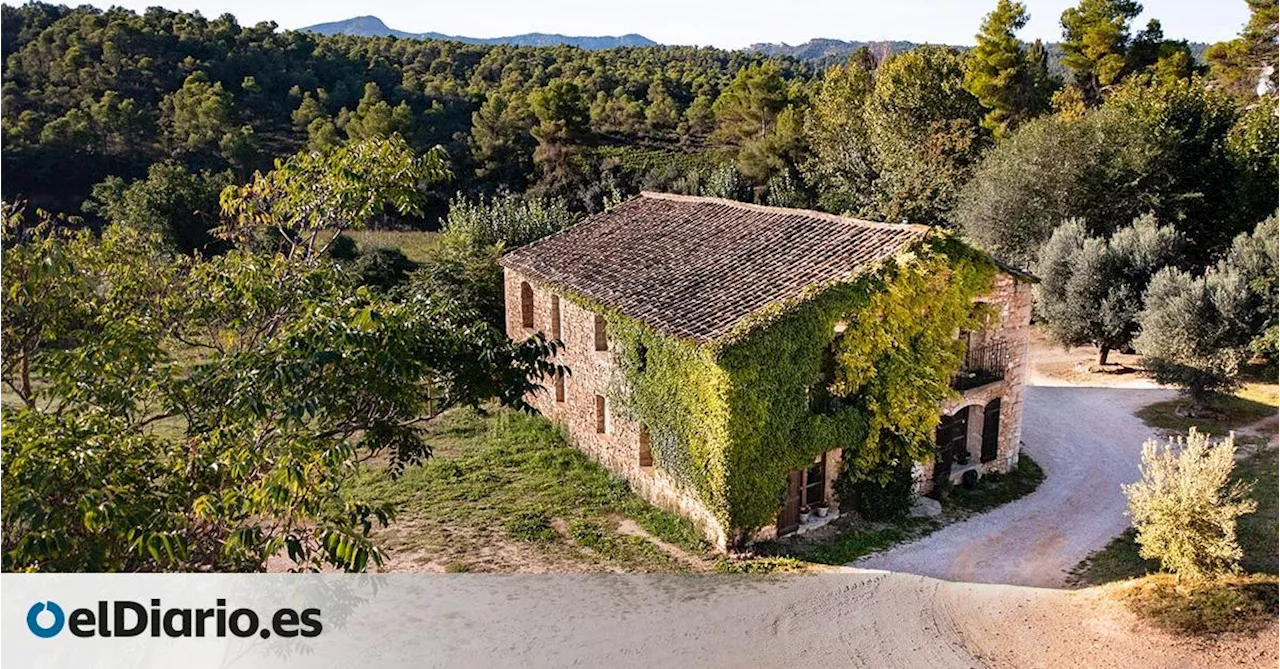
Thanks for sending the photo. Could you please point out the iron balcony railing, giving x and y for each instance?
(982, 365)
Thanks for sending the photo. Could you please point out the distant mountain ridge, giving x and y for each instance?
(825, 52)
(372, 26)
(822, 52)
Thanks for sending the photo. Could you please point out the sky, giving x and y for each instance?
(722, 23)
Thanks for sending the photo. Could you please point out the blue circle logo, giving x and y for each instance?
(33, 619)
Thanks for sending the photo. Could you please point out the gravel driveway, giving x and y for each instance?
(1088, 442)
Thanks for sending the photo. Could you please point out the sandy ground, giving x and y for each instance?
(1088, 442)
(864, 619)
(1052, 365)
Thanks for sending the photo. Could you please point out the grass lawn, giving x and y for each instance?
(1250, 404)
(1227, 604)
(416, 244)
(505, 493)
(848, 539)
(997, 489)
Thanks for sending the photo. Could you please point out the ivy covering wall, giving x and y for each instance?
(730, 417)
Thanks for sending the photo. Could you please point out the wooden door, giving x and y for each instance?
(942, 440)
(952, 439)
(959, 446)
(789, 519)
(991, 430)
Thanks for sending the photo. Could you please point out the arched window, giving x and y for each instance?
(526, 304)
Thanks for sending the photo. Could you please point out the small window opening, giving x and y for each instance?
(601, 415)
(815, 482)
(555, 316)
(646, 448)
(602, 338)
(526, 304)
(559, 386)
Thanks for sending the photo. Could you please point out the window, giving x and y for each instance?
(602, 338)
(646, 448)
(555, 316)
(526, 304)
(815, 482)
(601, 415)
(559, 386)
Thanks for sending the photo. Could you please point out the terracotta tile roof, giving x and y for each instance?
(695, 266)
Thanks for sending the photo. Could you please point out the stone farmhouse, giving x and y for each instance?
(698, 270)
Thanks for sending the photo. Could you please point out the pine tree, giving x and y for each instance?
(374, 117)
(998, 71)
(1095, 39)
(1237, 65)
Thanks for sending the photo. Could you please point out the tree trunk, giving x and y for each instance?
(26, 380)
(1103, 352)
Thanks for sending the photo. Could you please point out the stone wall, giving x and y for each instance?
(1012, 297)
(618, 448)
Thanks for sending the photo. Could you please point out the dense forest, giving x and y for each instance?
(178, 286)
(90, 94)
(98, 99)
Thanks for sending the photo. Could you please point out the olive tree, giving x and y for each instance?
(1091, 288)
(1185, 507)
(1246, 288)
(1185, 340)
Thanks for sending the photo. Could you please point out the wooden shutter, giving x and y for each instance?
(559, 386)
(602, 339)
(942, 442)
(991, 430)
(600, 424)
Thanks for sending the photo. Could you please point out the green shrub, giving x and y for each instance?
(877, 498)
(383, 268)
(1186, 506)
(533, 526)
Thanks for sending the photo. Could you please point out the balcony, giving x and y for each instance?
(982, 365)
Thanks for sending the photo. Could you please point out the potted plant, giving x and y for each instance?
(822, 509)
(804, 513)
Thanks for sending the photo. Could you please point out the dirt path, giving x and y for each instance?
(1088, 442)
(847, 619)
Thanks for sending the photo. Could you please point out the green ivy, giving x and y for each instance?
(729, 418)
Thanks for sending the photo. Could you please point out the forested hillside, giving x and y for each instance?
(95, 100)
(89, 94)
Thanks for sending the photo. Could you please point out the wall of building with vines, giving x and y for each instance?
(730, 417)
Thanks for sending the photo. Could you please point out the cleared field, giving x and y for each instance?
(416, 244)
